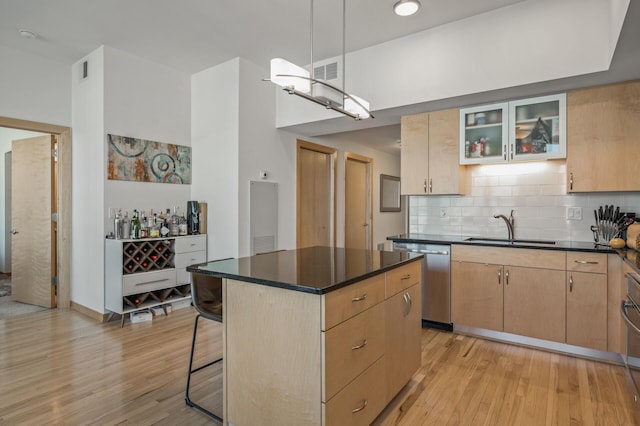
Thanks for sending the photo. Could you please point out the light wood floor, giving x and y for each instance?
(60, 367)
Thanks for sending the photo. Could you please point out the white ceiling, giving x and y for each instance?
(192, 35)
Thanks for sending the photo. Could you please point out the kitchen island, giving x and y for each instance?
(317, 336)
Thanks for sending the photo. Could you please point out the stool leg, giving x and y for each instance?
(187, 399)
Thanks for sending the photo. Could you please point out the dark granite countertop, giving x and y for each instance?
(315, 270)
(520, 243)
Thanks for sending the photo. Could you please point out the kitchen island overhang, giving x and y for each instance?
(317, 336)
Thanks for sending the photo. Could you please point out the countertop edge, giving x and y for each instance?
(293, 287)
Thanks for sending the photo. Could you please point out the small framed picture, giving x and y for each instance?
(389, 193)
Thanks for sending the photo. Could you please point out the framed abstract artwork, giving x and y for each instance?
(142, 160)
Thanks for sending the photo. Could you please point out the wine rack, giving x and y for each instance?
(145, 256)
(140, 274)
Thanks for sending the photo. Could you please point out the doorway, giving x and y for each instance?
(315, 195)
(358, 184)
(61, 197)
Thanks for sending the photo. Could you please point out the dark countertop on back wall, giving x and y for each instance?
(315, 270)
(480, 241)
(631, 257)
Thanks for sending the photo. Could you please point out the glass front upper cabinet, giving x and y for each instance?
(523, 130)
(538, 128)
(484, 134)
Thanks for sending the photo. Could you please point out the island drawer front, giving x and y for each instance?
(532, 258)
(351, 347)
(149, 281)
(344, 303)
(365, 395)
(193, 243)
(587, 262)
(182, 260)
(402, 278)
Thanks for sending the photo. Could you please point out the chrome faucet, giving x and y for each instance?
(510, 224)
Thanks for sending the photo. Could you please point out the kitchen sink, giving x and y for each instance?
(506, 241)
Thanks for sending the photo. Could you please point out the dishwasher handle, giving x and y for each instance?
(439, 252)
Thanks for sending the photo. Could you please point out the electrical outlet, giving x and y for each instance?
(574, 213)
(443, 211)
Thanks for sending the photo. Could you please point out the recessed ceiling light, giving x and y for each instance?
(406, 7)
(27, 34)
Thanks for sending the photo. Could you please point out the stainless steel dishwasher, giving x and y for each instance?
(436, 282)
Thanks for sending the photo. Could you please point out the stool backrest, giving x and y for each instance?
(206, 294)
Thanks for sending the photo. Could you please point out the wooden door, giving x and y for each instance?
(33, 239)
(476, 295)
(315, 188)
(414, 154)
(357, 204)
(446, 175)
(534, 303)
(587, 310)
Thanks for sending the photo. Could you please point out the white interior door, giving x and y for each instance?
(32, 229)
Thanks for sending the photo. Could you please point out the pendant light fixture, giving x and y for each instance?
(406, 7)
(296, 80)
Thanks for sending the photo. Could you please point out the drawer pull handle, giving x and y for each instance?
(361, 407)
(585, 262)
(360, 346)
(405, 277)
(359, 299)
(154, 281)
(570, 283)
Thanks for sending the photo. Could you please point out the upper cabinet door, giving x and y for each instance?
(484, 134)
(538, 128)
(523, 130)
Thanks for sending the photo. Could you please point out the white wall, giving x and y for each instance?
(6, 136)
(537, 193)
(33, 88)
(147, 101)
(88, 171)
(262, 147)
(128, 96)
(528, 42)
(214, 141)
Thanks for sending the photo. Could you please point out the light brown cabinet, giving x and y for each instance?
(403, 341)
(430, 154)
(320, 359)
(534, 302)
(602, 131)
(476, 295)
(552, 295)
(587, 300)
(518, 291)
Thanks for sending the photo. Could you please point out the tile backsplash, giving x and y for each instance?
(536, 192)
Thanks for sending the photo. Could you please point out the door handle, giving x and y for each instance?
(14, 232)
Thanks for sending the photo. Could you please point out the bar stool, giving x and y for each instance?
(206, 295)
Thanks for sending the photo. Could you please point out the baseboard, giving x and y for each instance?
(89, 312)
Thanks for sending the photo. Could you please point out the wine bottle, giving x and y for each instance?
(135, 226)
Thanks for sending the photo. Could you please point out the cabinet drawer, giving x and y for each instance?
(149, 281)
(187, 244)
(532, 258)
(182, 260)
(587, 262)
(360, 402)
(348, 301)
(403, 277)
(351, 347)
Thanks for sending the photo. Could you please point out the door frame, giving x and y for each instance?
(333, 153)
(63, 195)
(349, 156)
